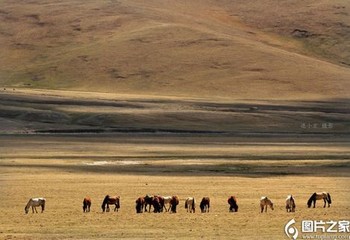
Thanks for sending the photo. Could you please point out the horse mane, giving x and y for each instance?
(329, 198)
(28, 204)
(106, 198)
(311, 199)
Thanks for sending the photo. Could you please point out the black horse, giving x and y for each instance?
(232, 201)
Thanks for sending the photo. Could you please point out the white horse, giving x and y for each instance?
(190, 204)
(290, 204)
(167, 200)
(264, 202)
(35, 202)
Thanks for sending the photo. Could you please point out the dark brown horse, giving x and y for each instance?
(232, 201)
(110, 201)
(148, 202)
(140, 202)
(173, 203)
(157, 204)
(205, 204)
(86, 204)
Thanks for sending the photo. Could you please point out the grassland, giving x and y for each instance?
(66, 168)
(189, 98)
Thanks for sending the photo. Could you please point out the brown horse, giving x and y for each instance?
(148, 202)
(264, 202)
(110, 201)
(86, 204)
(173, 203)
(205, 204)
(232, 201)
(157, 204)
(318, 196)
(290, 204)
(140, 203)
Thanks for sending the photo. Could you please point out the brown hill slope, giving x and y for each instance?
(197, 49)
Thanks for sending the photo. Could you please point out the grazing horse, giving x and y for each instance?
(161, 203)
(167, 200)
(109, 201)
(264, 202)
(86, 204)
(157, 204)
(140, 202)
(148, 202)
(190, 204)
(290, 204)
(205, 204)
(318, 196)
(35, 202)
(232, 201)
(173, 203)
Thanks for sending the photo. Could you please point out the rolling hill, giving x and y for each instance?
(207, 49)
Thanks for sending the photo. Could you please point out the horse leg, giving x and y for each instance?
(324, 205)
(315, 203)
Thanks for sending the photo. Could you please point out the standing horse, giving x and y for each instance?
(161, 203)
(318, 196)
(264, 202)
(35, 202)
(157, 204)
(232, 201)
(290, 204)
(86, 204)
(173, 203)
(190, 204)
(140, 202)
(167, 200)
(109, 201)
(205, 204)
(148, 202)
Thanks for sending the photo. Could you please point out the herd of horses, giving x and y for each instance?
(170, 203)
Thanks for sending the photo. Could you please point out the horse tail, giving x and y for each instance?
(329, 198)
(43, 205)
(118, 202)
(186, 204)
(193, 204)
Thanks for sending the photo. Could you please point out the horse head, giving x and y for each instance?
(105, 201)
(311, 199)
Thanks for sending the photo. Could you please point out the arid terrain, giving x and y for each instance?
(188, 98)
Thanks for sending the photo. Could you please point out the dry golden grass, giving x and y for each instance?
(56, 167)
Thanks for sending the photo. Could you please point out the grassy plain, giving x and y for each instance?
(188, 98)
(65, 168)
